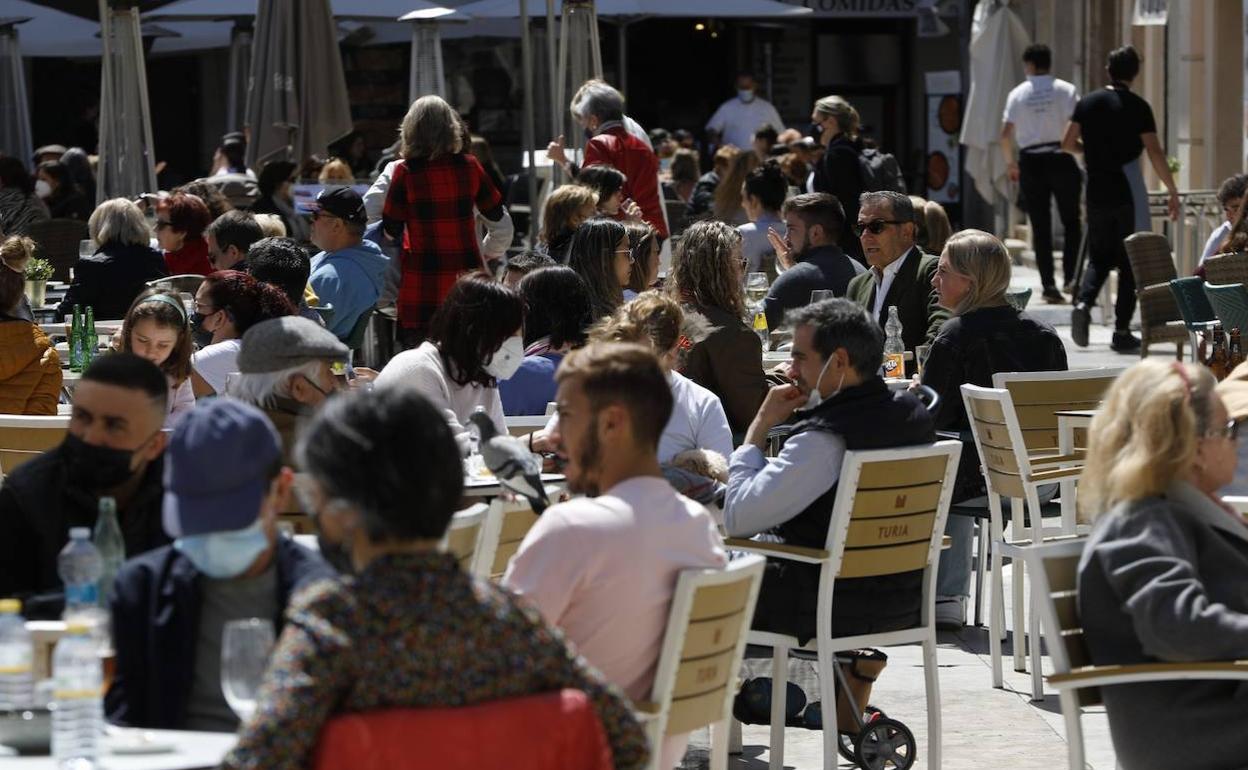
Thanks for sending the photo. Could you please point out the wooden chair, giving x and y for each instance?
(696, 676)
(508, 522)
(1054, 584)
(1227, 268)
(1153, 267)
(1230, 303)
(24, 437)
(888, 518)
(58, 241)
(523, 425)
(463, 536)
(187, 282)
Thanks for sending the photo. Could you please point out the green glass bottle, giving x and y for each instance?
(75, 341)
(90, 342)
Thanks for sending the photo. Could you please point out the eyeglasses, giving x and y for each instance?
(1230, 430)
(322, 213)
(876, 226)
(629, 252)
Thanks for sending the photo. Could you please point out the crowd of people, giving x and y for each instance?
(661, 409)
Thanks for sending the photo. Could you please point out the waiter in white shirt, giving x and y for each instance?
(737, 119)
(1036, 113)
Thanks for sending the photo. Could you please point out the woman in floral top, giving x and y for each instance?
(411, 629)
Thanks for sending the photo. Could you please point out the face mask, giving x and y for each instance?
(745, 96)
(201, 336)
(816, 398)
(336, 555)
(222, 555)
(506, 360)
(94, 468)
(589, 133)
(43, 189)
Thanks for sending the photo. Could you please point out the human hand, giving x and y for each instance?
(1011, 171)
(363, 379)
(782, 246)
(781, 402)
(1172, 205)
(630, 210)
(554, 151)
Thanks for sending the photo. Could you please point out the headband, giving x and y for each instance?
(165, 298)
(1187, 382)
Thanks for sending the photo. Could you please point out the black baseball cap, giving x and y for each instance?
(344, 203)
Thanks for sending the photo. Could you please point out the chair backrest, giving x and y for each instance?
(696, 676)
(355, 337)
(1189, 294)
(1054, 587)
(294, 519)
(1230, 303)
(463, 536)
(1227, 268)
(25, 437)
(524, 424)
(186, 282)
(509, 521)
(58, 240)
(999, 439)
(556, 729)
(1151, 262)
(1038, 396)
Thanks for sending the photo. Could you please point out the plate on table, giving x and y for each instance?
(125, 741)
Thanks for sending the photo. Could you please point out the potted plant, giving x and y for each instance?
(38, 271)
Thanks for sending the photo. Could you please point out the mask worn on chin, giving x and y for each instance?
(201, 336)
(336, 555)
(507, 359)
(816, 398)
(94, 468)
(745, 96)
(223, 555)
(43, 189)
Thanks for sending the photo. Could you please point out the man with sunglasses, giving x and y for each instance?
(350, 271)
(900, 274)
(113, 448)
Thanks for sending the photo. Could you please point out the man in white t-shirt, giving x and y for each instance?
(737, 119)
(1036, 113)
(631, 535)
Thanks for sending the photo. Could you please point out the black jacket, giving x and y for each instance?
(969, 349)
(155, 622)
(110, 279)
(37, 509)
(918, 304)
(867, 416)
(824, 267)
(840, 173)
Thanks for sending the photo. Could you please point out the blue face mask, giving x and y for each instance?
(222, 555)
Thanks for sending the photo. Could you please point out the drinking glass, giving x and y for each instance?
(819, 295)
(245, 647)
(921, 352)
(756, 287)
(86, 248)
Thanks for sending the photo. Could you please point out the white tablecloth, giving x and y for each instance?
(192, 750)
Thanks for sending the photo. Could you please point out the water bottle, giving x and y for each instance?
(894, 347)
(80, 567)
(107, 540)
(77, 693)
(75, 341)
(16, 658)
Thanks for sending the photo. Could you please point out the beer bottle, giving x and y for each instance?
(1237, 352)
(89, 341)
(75, 341)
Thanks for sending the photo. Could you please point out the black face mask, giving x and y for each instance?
(94, 468)
(201, 336)
(335, 554)
(815, 130)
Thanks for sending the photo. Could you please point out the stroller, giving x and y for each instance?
(866, 736)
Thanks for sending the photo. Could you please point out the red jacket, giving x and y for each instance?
(191, 259)
(616, 147)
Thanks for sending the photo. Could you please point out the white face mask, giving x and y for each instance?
(816, 398)
(745, 96)
(42, 188)
(506, 360)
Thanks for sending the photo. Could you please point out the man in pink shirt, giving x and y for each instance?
(603, 567)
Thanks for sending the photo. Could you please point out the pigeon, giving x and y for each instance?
(515, 467)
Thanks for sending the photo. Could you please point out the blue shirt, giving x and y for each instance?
(351, 280)
(532, 387)
(764, 493)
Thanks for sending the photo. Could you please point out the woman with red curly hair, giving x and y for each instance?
(180, 222)
(227, 304)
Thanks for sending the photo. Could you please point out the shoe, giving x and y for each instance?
(1125, 342)
(950, 613)
(1069, 288)
(1080, 317)
(1053, 296)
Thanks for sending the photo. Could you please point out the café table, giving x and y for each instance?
(1068, 421)
(488, 486)
(187, 751)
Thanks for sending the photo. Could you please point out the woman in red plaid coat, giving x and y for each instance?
(430, 204)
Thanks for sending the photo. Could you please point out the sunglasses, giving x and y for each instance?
(1230, 430)
(875, 226)
(322, 213)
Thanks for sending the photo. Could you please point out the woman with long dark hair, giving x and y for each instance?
(601, 254)
(556, 316)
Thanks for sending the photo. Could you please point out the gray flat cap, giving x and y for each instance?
(287, 342)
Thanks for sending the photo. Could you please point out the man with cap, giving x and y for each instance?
(224, 486)
(286, 369)
(349, 272)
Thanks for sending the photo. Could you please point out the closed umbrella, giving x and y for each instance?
(125, 166)
(14, 108)
(297, 104)
(998, 38)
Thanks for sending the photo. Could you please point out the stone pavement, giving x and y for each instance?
(981, 726)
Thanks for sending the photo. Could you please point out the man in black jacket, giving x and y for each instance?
(814, 261)
(225, 486)
(113, 448)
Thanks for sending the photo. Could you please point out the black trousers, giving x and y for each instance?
(1107, 227)
(1042, 176)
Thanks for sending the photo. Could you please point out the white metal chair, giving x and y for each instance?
(1053, 570)
(463, 536)
(506, 525)
(522, 425)
(888, 518)
(696, 676)
(24, 437)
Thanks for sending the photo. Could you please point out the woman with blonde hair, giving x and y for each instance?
(730, 195)
(834, 122)
(566, 208)
(30, 370)
(986, 335)
(643, 242)
(1164, 574)
(436, 175)
(120, 268)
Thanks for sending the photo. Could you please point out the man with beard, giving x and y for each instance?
(810, 254)
(113, 448)
(632, 534)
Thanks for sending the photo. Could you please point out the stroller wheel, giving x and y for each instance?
(845, 741)
(884, 744)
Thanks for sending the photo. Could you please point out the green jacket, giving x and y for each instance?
(911, 291)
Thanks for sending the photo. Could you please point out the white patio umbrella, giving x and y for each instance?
(14, 107)
(998, 38)
(125, 166)
(297, 103)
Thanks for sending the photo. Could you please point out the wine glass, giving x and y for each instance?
(819, 295)
(756, 287)
(245, 647)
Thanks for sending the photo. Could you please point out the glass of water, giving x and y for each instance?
(819, 295)
(756, 288)
(86, 248)
(245, 648)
